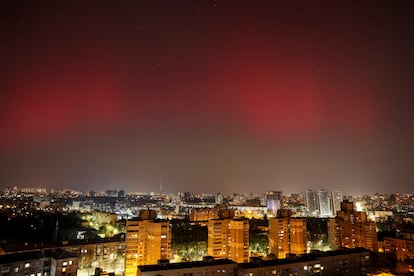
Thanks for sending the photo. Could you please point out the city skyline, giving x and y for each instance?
(208, 96)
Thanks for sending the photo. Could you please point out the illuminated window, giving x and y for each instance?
(70, 262)
(63, 269)
(16, 269)
(65, 263)
(26, 265)
(39, 274)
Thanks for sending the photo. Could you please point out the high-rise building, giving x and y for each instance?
(323, 204)
(332, 233)
(312, 203)
(218, 238)
(239, 240)
(336, 201)
(287, 235)
(228, 238)
(273, 202)
(146, 242)
(353, 229)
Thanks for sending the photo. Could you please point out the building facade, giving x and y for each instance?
(228, 238)
(336, 201)
(287, 235)
(56, 262)
(146, 242)
(311, 201)
(401, 247)
(353, 229)
(324, 204)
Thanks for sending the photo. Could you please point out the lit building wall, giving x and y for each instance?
(402, 248)
(158, 241)
(278, 237)
(332, 233)
(146, 242)
(203, 214)
(107, 255)
(370, 235)
(228, 239)
(239, 240)
(352, 229)
(297, 235)
(218, 238)
(287, 235)
(134, 245)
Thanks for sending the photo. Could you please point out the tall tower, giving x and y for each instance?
(336, 201)
(287, 235)
(228, 238)
(311, 203)
(146, 242)
(323, 203)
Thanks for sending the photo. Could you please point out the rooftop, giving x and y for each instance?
(36, 255)
(314, 256)
(172, 266)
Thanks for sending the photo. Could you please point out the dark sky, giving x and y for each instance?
(210, 96)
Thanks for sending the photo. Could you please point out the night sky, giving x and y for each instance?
(207, 96)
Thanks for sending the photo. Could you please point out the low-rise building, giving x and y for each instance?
(55, 262)
(107, 254)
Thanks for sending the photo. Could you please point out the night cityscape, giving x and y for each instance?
(201, 138)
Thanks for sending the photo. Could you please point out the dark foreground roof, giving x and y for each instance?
(57, 254)
(172, 266)
(277, 262)
(316, 255)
